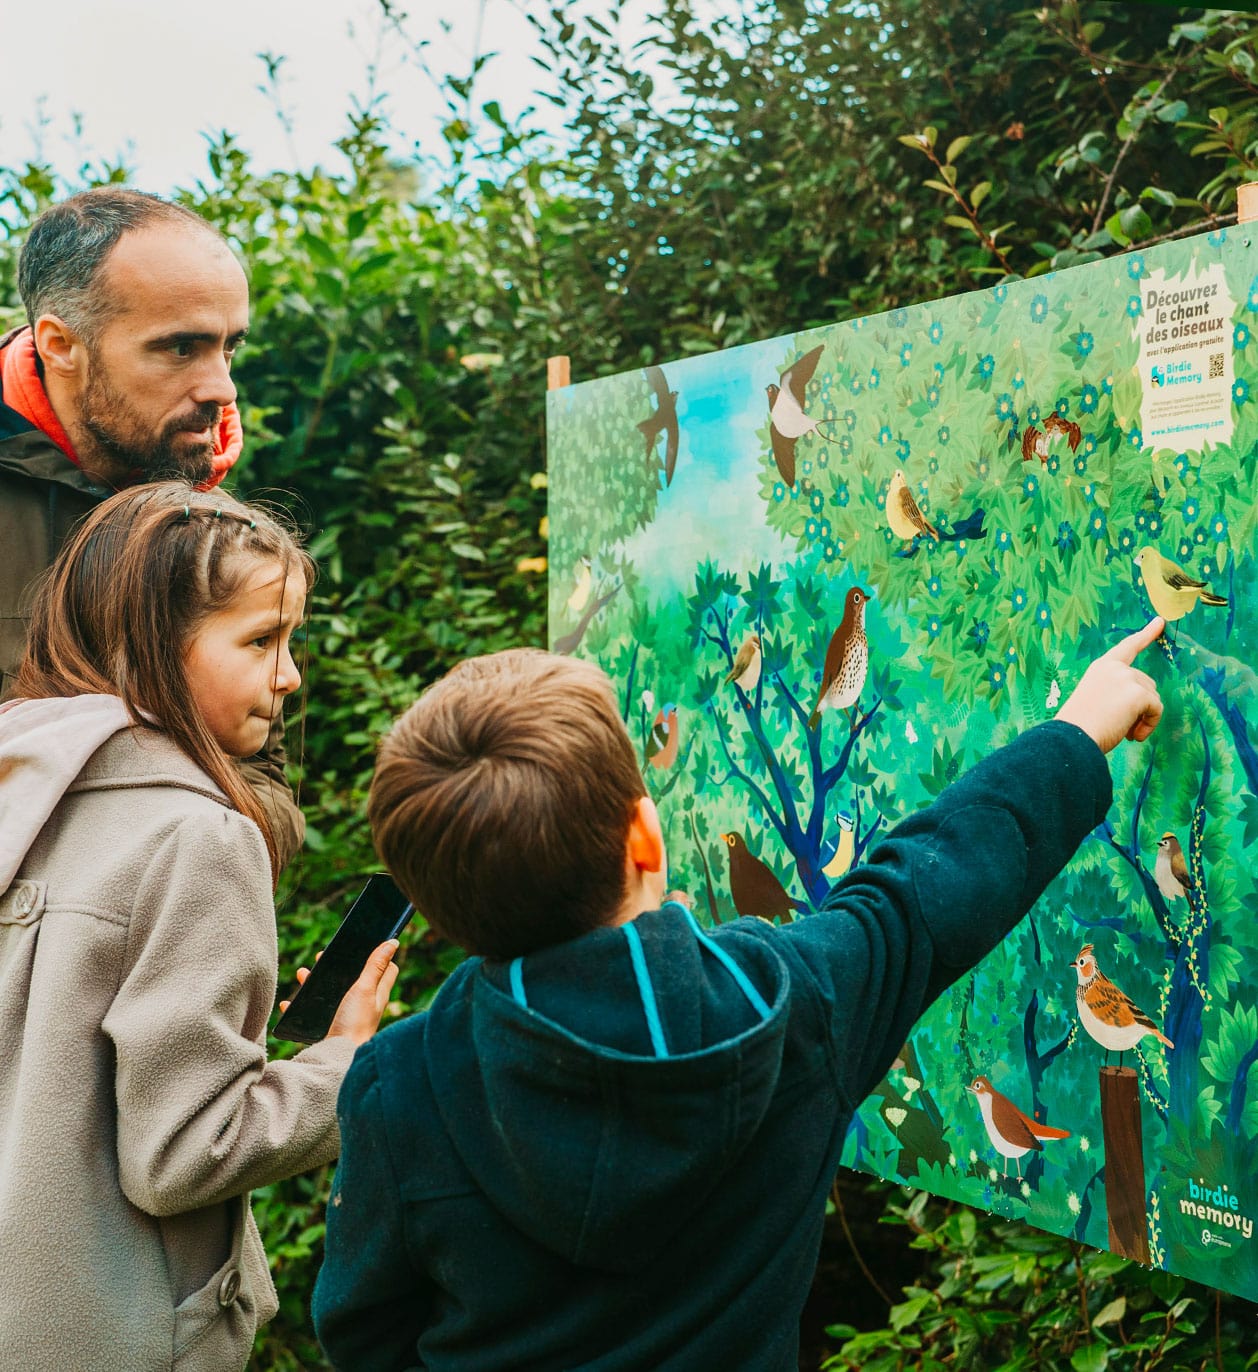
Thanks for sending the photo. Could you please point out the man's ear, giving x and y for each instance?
(645, 844)
(60, 347)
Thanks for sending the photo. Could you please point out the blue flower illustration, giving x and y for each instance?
(849, 418)
(980, 632)
(1089, 491)
(1018, 380)
(1081, 464)
(816, 502)
(1199, 535)
(1053, 464)
(1135, 266)
(1039, 309)
(944, 433)
(1240, 390)
(1089, 444)
(1134, 308)
(1191, 510)
(939, 371)
(1240, 336)
(1135, 439)
(1096, 524)
(1030, 485)
(984, 467)
(1107, 384)
(1084, 343)
(986, 366)
(874, 378)
(1218, 527)
(845, 444)
(1155, 524)
(779, 491)
(1004, 406)
(841, 494)
(823, 528)
(936, 332)
(933, 626)
(1062, 407)
(1043, 616)
(1184, 551)
(999, 293)
(855, 385)
(906, 354)
(899, 318)
(1018, 600)
(932, 466)
(996, 676)
(932, 396)
(1066, 539)
(934, 585)
(1032, 415)
(810, 530)
(1217, 238)
(902, 450)
(1126, 541)
(1252, 302)
(1181, 465)
(1088, 399)
(884, 435)
(1003, 539)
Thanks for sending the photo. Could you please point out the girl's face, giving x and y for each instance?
(238, 662)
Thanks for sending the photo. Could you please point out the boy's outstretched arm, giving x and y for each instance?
(948, 883)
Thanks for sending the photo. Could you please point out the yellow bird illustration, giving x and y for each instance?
(844, 849)
(906, 519)
(1172, 592)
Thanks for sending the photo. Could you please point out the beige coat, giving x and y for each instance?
(137, 1106)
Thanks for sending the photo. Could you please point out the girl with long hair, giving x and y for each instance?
(138, 945)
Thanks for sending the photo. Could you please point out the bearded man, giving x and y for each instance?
(136, 307)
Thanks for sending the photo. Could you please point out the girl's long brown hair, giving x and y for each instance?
(127, 592)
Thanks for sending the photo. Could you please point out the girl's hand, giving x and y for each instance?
(358, 1015)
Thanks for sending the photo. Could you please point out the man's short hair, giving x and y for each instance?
(66, 247)
(502, 799)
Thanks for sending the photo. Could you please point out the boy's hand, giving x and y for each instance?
(1114, 700)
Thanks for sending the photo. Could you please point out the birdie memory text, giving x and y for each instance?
(1215, 1205)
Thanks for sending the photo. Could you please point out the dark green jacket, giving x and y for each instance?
(527, 1183)
(42, 495)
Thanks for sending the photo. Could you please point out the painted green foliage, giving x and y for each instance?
(1014, 415)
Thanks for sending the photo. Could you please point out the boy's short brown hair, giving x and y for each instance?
(502, 799)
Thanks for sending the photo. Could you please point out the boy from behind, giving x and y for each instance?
(609, 1141)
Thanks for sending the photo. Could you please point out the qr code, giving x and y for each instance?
(1216, 366)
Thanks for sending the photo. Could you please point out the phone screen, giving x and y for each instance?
(380, 912)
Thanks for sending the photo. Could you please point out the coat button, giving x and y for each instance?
(25, 901)
(229, 1288)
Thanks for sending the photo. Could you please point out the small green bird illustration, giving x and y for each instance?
(581, 590)
(661, 747)
(847, 659)
(1172, 592)
(843, 850)
(745, 672)
(1170, 871)
(754, 887)
(906, 519)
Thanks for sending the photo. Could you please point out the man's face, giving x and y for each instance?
(158, 375)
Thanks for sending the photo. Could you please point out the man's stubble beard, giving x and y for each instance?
(125, 452)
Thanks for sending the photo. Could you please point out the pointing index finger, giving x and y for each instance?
(1127, 649)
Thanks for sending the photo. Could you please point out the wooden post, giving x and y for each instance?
(559, 371)
(1124, 1164)
(1246, 202)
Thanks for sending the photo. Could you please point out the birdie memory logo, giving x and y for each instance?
(1218, 1206)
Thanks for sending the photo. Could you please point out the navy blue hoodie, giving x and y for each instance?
(615, 1153)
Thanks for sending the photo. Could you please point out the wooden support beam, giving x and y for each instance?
(558, 372)
(1124, 1164)
(1246, 202)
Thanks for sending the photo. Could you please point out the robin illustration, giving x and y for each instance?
(1172, 592)
(847, 659)
(787, 421)
(1108, 1014)
(581, 591)
(745, 672)
(843, 850)
(754, 887)
(662, 420)
(906, 520)
(1012, 1133)
(1170, 871)
(661, 747)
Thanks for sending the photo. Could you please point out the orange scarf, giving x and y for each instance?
(24, 392)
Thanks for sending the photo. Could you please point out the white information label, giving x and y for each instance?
(1185, 360)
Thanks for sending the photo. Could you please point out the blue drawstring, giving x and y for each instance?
(646, 991)
(516, 973)
(758, 1002)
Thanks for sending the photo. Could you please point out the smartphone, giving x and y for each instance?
(381, 912)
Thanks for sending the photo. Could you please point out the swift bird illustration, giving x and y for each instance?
(1036, 442)
(569, 642)
(581, 591)
(787, 421)
(663, 419)
(1170, 871)
(1172, 592)
(745, 672)
(754, 887)
(1113, 1019)
(1013, 1134)
(843, 849)
(847, 659)
(906, 519)
(661, 746)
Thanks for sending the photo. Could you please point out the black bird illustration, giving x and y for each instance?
(754, 888)
(787, 421)
(663, 420)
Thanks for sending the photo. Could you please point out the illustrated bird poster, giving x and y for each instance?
(830, 571)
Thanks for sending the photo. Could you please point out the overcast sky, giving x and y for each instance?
(148, 78)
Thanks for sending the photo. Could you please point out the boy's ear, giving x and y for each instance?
(645, 844)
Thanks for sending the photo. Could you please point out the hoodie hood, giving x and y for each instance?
(44, 745)
(599, 1091)
(24, 394)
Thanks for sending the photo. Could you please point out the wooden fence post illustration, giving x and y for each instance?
(1124, 1164)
